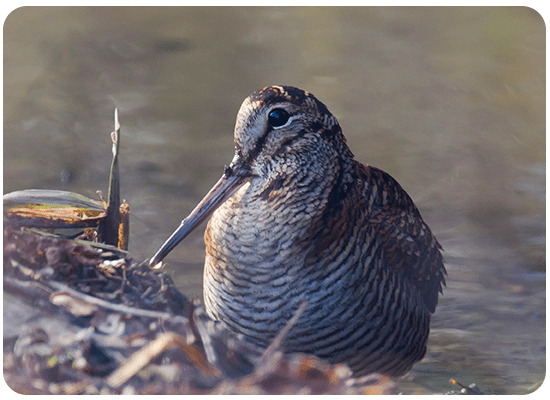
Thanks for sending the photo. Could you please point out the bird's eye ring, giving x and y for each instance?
(278, 117)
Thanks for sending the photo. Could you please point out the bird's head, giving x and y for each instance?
(282, 125)
(282, 133)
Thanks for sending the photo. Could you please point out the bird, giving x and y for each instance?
(296, 219)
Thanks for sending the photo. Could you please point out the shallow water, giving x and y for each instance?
(450, 101)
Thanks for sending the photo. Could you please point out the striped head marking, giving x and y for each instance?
(277, 117)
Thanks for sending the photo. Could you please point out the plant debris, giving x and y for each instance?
(83, 319)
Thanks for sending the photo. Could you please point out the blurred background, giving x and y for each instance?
(449, 101)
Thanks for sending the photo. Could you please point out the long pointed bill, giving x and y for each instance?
(234, 177)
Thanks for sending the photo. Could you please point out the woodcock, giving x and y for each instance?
(295, 218)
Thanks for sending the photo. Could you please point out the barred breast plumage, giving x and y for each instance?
(295, 218)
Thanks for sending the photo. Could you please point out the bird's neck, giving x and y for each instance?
(271, 222)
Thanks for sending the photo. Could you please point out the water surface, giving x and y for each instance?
(449, 101)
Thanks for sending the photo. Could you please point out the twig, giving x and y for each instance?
(120, 308)
(141, 358)
(110, 224)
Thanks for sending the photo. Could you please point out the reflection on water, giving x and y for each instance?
(450, 101)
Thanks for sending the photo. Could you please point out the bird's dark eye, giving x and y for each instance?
(277, 117)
